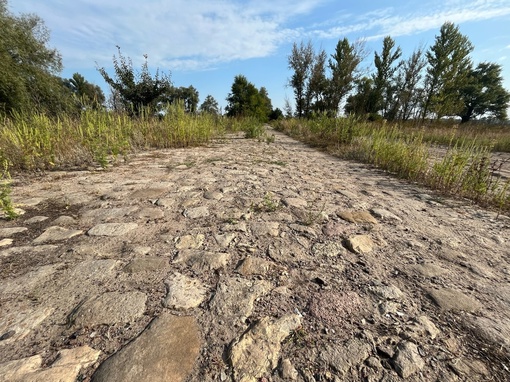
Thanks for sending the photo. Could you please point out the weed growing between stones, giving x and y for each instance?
(268, 204)
(314, 215)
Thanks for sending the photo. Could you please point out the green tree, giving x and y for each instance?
(484, 94)
(384, 82)
(265, 105)
(344, 65)
(317, 84)
(408, 91)
(135, 91)
(245, 100)
(287, 108)
(188, 95)
(448, 72)
(276, 114)
(86, 95)
(364, 101)
(301, 61)
(210, 105)
(29, 67)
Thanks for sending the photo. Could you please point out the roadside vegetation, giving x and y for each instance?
(464, 167)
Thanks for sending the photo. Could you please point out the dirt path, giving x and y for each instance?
(247, 261)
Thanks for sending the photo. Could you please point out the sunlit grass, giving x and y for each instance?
(463, 167)
(38, 142)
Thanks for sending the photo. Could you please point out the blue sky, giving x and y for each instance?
(206, 43)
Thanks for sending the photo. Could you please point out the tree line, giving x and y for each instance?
(30, 80)
(439, 82)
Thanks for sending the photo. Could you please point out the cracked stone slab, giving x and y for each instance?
(184, 292)
(30, 281)
(197, 212)
(150, 213)
(350, 354)
(360, 244)
(106, 214)
(8, 232)
(202, 261)
(427, 270)
(265, 228)
(235, 296)
(407, 360)
(36, 219)
(145, 264)
(224, 240)
(384, 214)
(328, 249)
(295, 202)
(257, 266)
(65, 369)
(148, 193)
(256, 353)
(190, 241)
(6, 242)
(361, 217)
(16, 325)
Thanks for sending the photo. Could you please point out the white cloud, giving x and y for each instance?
(393, 22)
(198, 34)
(186, 33)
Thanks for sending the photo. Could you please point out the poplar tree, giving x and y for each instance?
(447, 73)
(386, 65)
(301, 61)
(344, 66)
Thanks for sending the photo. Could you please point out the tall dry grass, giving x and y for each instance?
(38, 142)
(464, 166)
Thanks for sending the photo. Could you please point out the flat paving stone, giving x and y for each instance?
(256, 353)
(6, 242)
(107, 214)
(360, 244)
(56, 233)
(111, 308)
(8, 232)
(197, 212)
(190, 241)
(65, 369)
(36, 219)
(165, 351)
(111, 229)
(148, 193)
(145, 264)
(450, 299)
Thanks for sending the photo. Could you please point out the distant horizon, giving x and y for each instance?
(206, 44)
